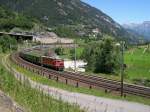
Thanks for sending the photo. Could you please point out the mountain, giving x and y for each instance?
(74, 14)
(10, 20)
(142, 29)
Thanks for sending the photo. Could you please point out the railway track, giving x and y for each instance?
(78, 79)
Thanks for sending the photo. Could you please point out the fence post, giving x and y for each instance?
(77, 84)
(57, 79)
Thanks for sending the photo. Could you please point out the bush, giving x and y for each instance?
(59, 51)
(8, 43)
(101, 56)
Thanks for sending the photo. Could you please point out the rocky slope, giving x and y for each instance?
(73, 13)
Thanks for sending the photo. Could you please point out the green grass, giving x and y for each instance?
(32, 100)
(94, 92)
(138, 64)
(69, 55)
(138, 67)
(66, 54)
(79, 51)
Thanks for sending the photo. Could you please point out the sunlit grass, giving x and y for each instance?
(31, 99)
(138, 63)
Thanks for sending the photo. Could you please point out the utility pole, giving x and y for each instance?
(148, 46)
(122, 66)
(41, 60)
(75, 56)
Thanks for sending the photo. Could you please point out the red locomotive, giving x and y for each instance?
(53, 62)
(47, 61)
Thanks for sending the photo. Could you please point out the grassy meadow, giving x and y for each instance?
(138, 63)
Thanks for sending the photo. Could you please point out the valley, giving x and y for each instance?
(74, 56)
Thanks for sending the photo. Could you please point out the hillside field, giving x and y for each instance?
(138, 63)
(137, 60)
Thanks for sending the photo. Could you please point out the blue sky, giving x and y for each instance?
(124, 11)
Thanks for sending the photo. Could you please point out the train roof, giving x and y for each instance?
(53, 57)
(41, 54)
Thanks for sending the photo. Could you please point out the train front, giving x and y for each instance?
(59, 64)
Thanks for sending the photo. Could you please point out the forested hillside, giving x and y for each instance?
(10, 20)
(69, 16)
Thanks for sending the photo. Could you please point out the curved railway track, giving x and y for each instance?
(83, 80)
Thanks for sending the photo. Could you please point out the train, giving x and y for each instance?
(52, 62)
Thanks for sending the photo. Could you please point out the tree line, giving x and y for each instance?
(102, 56)
(10, 20)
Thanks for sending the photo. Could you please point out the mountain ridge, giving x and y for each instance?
(142, 29)
(69, 12)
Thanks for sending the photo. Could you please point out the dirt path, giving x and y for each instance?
(89, 102)
(8, 105)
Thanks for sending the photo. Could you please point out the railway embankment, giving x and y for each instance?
(92, 103)
(48, 75)
(33, 100)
